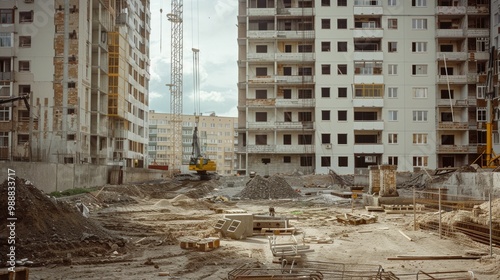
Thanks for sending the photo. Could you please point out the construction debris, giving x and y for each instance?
(356, 219)
(274, 187)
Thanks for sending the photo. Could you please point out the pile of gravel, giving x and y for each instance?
(274, 187)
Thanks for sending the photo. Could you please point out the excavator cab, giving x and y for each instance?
(199, 163)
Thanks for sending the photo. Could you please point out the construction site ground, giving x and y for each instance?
(134, 233)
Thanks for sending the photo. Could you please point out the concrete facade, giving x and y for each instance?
(344, 85)
(58, 52)
(218, 140)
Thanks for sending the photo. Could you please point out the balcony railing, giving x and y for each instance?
(295, 103)
(450, 33)
(452, 79)
(281, 149)
(451, 10)
(453, 125)
(452, 149)
(480, 9)
(6, 76)
(454, 102)
(368, 125)
(294, 79)
(452, 55)
(368, 33)
(369, 148)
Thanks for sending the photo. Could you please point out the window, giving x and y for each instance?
(261, 94)
(305, 116)
(326, 69)
(305, 94)
(341, 46)
(392, 23)
(261, 71)
(305, 48)
(260, 139)
(326, 161)
(392, 46)
(23, 115)
(419, 92)
(419, 3)
(325, 3)
(342, 23)
(419, 23)
(448, 139)
(261, 49)
(22, 138)
(392, 138)
(480, 92)
(5, 39)
(343, 162)
(419, 138)
(419, 116)
(342, 115)
(304, 139)
(481, 114)
(391, 2)
(24, 89)
(342, 3)
(71, 84)
(419, 69)
(26, 16)
(420, 161)
(342, 138)
(393, 115)
(325, 23)
(24, 66)
(393, 69)
(4, 114)
(392, 92)
(445, 94)
(287, 159)
(287, 139)
(6, 16)
(325, 46)
(419, 47)
(325, 92)
(392, 160)
(261, 116)
(325, 115)
(326, 138)
(287, 94)
(72, 137)
(342, 69)
(342, 92)
(25, 41)
(306, 161)
(305, 71)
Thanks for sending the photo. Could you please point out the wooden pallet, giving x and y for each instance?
(199, 244)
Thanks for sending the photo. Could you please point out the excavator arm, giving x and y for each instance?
(24, 97)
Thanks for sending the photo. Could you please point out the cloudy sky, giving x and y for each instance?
(209, 26)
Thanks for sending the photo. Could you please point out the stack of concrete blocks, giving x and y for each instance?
(236, 226)
(383, 180)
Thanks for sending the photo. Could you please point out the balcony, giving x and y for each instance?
(269, 102)
(261, 34)
(261, 11)
(478, 32)
(447, 149)
(479, 55)
(450, 33)
(261, 79)
(451, 10)
(261, 125)
(452, 55)
(6, 76)
(295, 12)
(481, 9)
(275, 149)
(368, 125)
(374, 148)
(294, 79)
(368, 10)
(367, 102)
(454, 102)
(305, 57)
(256, 57)
(295, 34)
(452, 79)
(375, 55)
(453, 125)
(368, 33)
(368, 79)
(295, 103)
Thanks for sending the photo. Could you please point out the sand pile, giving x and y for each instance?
(274, 187)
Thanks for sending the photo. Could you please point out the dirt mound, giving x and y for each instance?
(274, 187)
(47, 230)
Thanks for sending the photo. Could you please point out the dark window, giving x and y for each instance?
(305, 139)
(325, 3)
(326, 161)
(287, 159)
(260, 116)
(326, 138)
(71, 137)
(365, 116)
(342, 115)
(305, 48)
(265, 160)
(305, 94)
(71, 111)
(305, 71)
(342, 69)
(342, 92)
(325, 69)
(288, 48)
(325, 46)
(71, 84)
(325, 23)
(261, 94)
(262, 25)
(445, 94)
(26, 16)
(446, 117)
(287, 94)
(22, 138)
(287, 139)
(446, 70)
(342, 23)
(23, 115)
(325, 92)
(447, 139)
(325, 115)
(393, 160)
(6, 16)
(342, 3)
(260, 139)
(24, 89)
(261, 48)
(341, 46)
(343, 162)
(287, 71)
(342, 138)
(365, 139)
(287, 116)
(261, 71)
(306, 161)
(442, 48)
(305, 116)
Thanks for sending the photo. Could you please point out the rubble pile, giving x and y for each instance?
(274, 187)
(47, 228)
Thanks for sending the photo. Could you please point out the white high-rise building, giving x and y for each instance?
(341, 85)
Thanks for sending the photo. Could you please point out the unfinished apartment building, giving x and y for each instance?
(77, 60)
(342, 85)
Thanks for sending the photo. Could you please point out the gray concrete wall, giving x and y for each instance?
(51, 177)
(476, 184)
(137, 175)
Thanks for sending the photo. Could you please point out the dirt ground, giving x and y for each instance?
(133, 232)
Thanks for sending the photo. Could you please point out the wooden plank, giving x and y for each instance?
(407, 237)
(423, 258)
